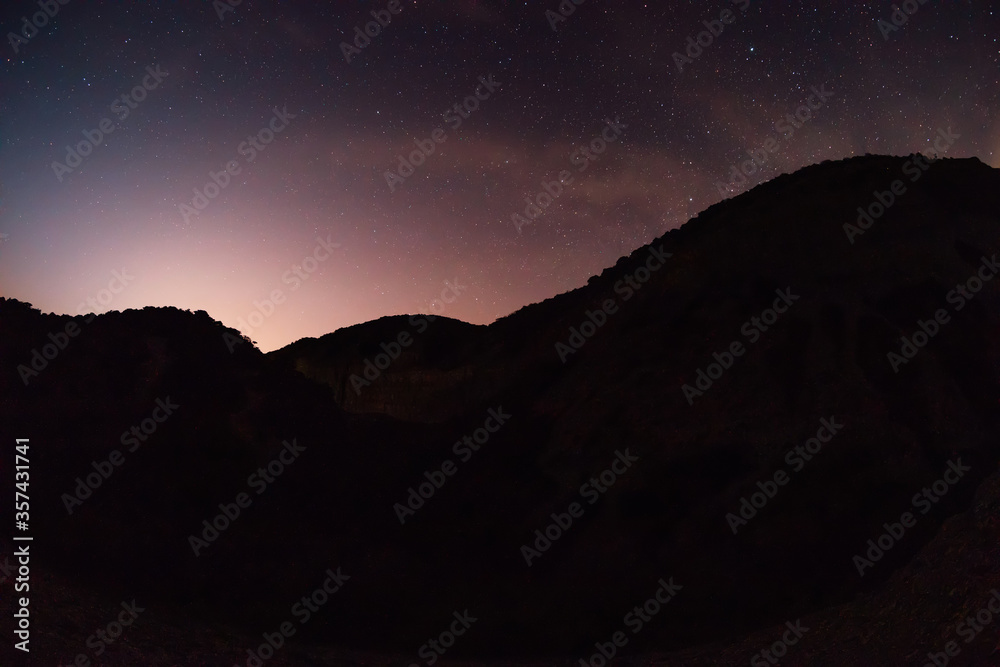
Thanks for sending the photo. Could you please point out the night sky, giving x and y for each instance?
(266, 88)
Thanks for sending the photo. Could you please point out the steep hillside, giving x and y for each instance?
(721, 410)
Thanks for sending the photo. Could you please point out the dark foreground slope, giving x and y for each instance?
(576, 405)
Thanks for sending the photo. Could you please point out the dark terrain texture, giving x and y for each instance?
(664, 517)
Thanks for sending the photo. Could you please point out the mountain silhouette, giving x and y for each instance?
(723, 419)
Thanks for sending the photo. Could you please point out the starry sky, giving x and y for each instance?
(162, 95)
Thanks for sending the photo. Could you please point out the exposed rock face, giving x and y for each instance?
(759, 327)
